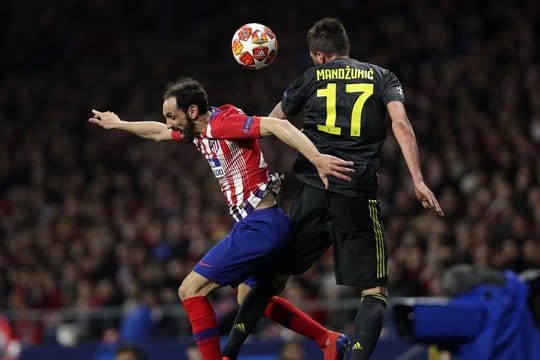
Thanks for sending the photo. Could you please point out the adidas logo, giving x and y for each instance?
(357, 346)
(240, 327)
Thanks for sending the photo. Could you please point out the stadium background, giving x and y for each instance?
(94, 224)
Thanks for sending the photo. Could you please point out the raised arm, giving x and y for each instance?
(406, 139)
(327, 165)
(152, 130)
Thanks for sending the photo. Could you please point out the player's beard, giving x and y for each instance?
(188, 134)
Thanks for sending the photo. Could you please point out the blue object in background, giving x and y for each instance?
(137, 325)
(488, 322)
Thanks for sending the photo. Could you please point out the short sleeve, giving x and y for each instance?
(176, 135)
(234, 126)
(392, 89)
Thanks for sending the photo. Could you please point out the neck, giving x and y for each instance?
(334, 57)
(202, 122)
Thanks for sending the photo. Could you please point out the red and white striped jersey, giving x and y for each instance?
(230, 144)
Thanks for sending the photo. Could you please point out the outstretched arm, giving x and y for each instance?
(152, 130)
(327, 165)
(406, 139)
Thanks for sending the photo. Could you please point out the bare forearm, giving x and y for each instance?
(327, 165)
(406, 139)
(297, 140)
(291, 136)
(147, 129)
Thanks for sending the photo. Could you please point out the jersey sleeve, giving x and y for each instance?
(234, 126)
(295, 96)
(176, 135)
(392, 89)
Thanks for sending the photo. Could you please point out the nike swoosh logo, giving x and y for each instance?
(204, 264)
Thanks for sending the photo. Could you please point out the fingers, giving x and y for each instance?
(438, 209)
(340, 168)
(325, 182)
(340, 175)
(345, 164)
(99, 114)
(341, 162)
(434, 204)
(430, 202)
(96, 116)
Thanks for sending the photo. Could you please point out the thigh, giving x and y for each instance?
(360, 254)
(311, 236)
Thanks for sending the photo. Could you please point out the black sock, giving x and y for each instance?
(251, 310)
(368, 325)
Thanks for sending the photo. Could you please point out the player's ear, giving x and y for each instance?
(193, 111)
(323, 57)
(318, 57)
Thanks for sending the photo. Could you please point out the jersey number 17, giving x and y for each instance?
(364, 91)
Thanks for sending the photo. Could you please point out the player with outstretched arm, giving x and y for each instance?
(229, 140)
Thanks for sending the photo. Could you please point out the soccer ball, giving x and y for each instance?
(254, 46)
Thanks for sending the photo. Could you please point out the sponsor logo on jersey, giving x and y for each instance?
(216, 167)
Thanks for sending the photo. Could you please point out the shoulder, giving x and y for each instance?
(382, 71)
(305, 78)
(224, 111)
(377, 69)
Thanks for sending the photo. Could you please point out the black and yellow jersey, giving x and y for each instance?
(344, 103)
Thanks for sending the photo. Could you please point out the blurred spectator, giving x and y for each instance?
(129, 352)
(193, 352)
(139, 324)
(292, 350)
(88, 222)
(10, 347)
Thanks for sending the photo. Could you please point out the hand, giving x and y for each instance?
(107, 120)
(427, 198)
(328, 165)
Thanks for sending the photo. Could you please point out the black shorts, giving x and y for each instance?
(351, 225)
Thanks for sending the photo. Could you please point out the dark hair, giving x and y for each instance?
(187, 92)
(329, 36)
(138, 354)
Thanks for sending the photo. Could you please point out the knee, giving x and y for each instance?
(378, 294)
(240, 298)
(377, 290)
(184, 291)
(243, 290)
(194, 285)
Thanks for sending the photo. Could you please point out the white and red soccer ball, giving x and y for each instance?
(254, 46)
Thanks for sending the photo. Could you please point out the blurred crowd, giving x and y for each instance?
(92, 218)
